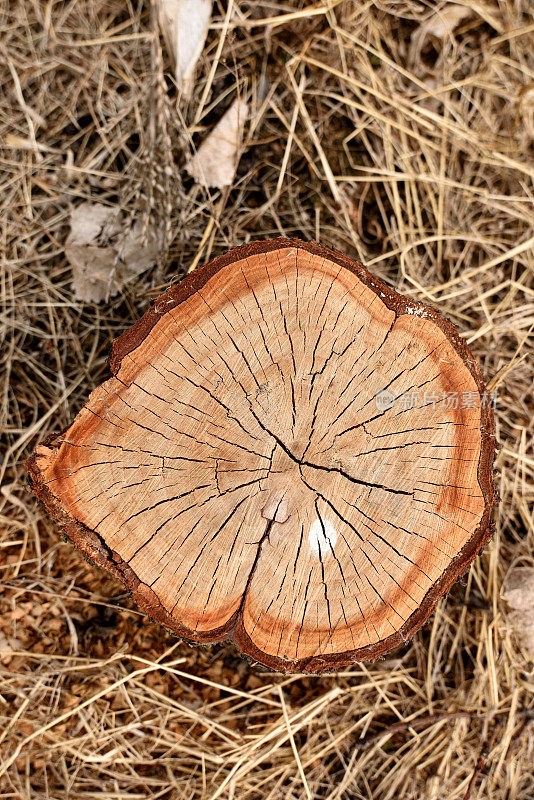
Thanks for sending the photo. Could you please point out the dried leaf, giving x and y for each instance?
(184, 25)
(518, 593)
(215, 162)
(105, 252)
(440, 24)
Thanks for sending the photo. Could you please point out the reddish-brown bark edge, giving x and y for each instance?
(95, 549)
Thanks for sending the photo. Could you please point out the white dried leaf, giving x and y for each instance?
(91, 221)
(215, 162)
(518, 593)
(105, 251)
(440, 24)
(184, 25)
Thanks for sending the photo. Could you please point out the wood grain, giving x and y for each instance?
(240, 474)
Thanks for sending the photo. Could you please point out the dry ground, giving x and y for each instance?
(413, 153)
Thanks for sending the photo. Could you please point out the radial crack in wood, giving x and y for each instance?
(288, 454)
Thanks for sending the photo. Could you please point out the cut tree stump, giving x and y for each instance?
(288, 454)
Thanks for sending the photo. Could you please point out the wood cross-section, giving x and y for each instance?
(288, 454)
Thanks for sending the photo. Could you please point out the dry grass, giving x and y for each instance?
(421, 168)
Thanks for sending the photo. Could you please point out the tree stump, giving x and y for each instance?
(288, 454)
